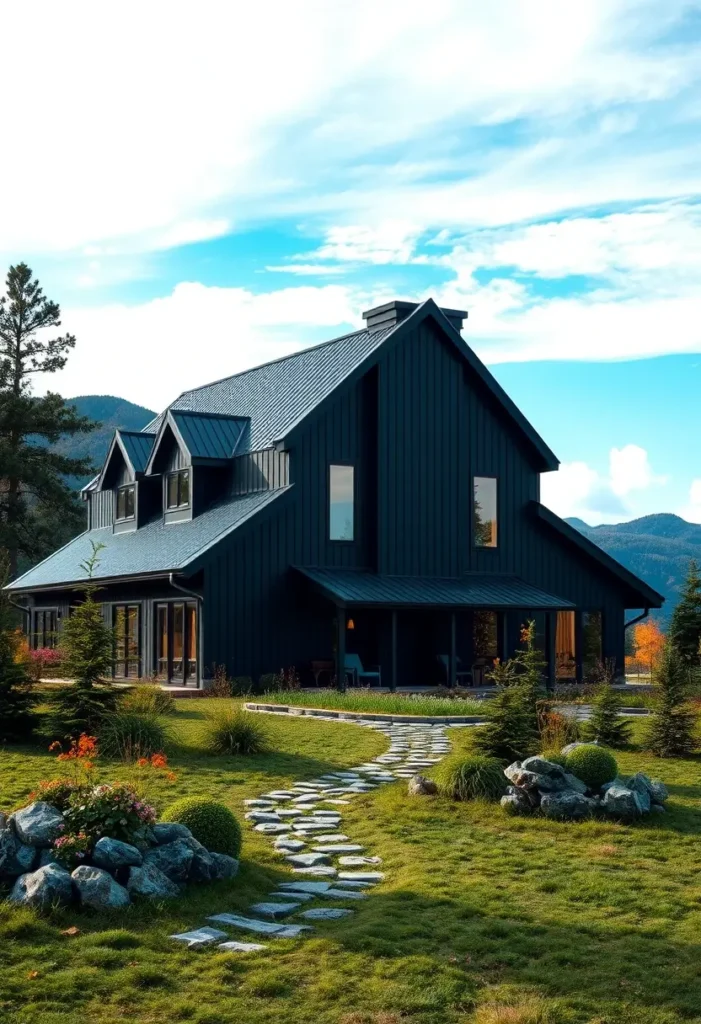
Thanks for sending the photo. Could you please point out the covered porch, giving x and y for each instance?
(406, 631)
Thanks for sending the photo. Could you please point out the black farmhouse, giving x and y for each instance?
(371, 504)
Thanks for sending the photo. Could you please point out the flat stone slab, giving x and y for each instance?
(274, 910)
(357, 862)
(249, 924)
(290, 814)
(313, 887)
(200, 937)
(333, 837)
(241, 947)
(325, 913)
(289, 845)
(259, 817)
(300, 897)
(306, 798)
(280, 794)
(310, 826)
(271, 829)
(335, 848)
(345, 884)
(263, 804)
(337, 800)
(343, 894)
(361, 876)
(307, 860)
(318, 872)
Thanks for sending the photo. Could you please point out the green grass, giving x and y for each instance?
(382, 703)
(592, 923)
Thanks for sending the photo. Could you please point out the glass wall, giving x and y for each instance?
(45, 626)
(127, 647)
(176, 642)
(565, 649)
(485, 635)
(341, 502)
(592, 642)
(485, 511)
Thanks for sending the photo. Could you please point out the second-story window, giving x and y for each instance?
(126, 502)
(485, 511)
(178, 489)
(341, 502)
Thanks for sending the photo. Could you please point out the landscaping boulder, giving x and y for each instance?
(168, 831)
(659, 792)
(111, 854)
(640, 784)
(174, 859)
(15, 858)
(150, 882)
(421, 786)
(572, 782)
(522, 778)
(541, 766)
(47, 857)
(47, 887)
(223, 866)
(621, 802)
(38, 824)
(97, 888)
(567, 805)
(516, 801)
(202, 865)
(573, 746)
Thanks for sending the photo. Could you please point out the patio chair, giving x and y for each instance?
(354, 668)
(460, 674)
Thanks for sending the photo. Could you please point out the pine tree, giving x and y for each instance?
(32, 482)
(510, 733)
(16, 699)
(605, 725)
(685, 625)
(671, 730)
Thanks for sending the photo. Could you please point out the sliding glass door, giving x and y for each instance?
(127, 647)
(176, 642)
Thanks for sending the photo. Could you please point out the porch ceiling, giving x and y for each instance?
(474, 590)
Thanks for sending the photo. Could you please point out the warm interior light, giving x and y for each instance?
(350, 624)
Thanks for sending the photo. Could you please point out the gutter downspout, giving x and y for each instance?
(21, 607)
(198, 598)
(638, 618)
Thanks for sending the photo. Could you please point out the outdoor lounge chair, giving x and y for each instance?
(463, 677)
(354, 668)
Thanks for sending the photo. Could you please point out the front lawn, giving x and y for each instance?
(556, 923)
(373, 701)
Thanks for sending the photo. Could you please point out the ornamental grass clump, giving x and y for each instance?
(471, 777)
(594, 766)
(148, 700)
(231, 731)
(210, 822)
(130, 735)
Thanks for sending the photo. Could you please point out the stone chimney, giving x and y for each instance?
(392, 313)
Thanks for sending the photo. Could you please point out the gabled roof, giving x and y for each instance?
(153, 550)
(135, 447)
(648, 598)
(204, 436)
(473, 590)
(278, 396)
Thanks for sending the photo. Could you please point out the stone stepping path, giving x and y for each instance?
(309, 837)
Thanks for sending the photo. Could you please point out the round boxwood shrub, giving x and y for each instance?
(593, 765)
(210, 822)
(471, 777)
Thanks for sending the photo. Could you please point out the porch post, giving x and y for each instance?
(550, 640)
(341, 647)
(393, 677)
(453, 659)
(504, 653)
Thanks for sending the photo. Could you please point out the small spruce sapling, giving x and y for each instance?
(671, 732)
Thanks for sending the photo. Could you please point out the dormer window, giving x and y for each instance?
(126, 503)
(178, 489)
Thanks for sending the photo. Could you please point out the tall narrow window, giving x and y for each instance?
(592, 642)
(127, 649)
(341, 502)
(485, 634)
(176, 642)
(162, 641)
(191, 633)
(45, 627)
(126, 502)
(565, 652)
(178, 489)
(485, 511)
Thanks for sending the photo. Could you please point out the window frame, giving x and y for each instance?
(127, 660)
(123, 490)
(495, 478)
(47, 634)
(178, 475)
(188, 674)
(354, 528)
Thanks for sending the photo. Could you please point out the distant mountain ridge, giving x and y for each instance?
(112, 414)
(657, 548)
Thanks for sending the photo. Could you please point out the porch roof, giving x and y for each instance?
(473, 590)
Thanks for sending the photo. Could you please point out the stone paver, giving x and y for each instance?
(274, 910)
(200, 937)
(325, 913)
(241, 947)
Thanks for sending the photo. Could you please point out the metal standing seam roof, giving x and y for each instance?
(474, 590)
(156, 547)
(137, 446)
(209, 435)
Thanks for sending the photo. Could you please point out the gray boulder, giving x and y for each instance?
(516, 802)
(567, 805)
(169, 831)
(622, 803)
(658, 791)
(174, 859)
(202, 866)
(223, 866)
(49, 886)
(97, 888)
(579, 743)
(618, 781)
(658, 809)
(150, 882)
(541, 766)
(15, 858)
(47, 857)
(640, 784)
(524, 779)
(38, 824)
(420, 786)
(572, 782)
(111, 854)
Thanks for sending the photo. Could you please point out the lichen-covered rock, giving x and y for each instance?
(421, 786)
(621, 802)
(111, 854)
(49, 886)
(618, 781)
(174, 859)
(541, 766)
(15, 857)
(97, 889)
(168, 831)
(567, 805)
(224, 866)
(516, 801)
(150, 882)
(524, 779)
(38, 824)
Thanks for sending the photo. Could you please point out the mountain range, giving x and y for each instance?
(656, 547)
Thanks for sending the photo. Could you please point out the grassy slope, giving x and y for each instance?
(600, 922)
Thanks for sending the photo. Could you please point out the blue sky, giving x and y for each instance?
(209, 191)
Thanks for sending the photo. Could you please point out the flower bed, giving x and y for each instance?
(365, 700)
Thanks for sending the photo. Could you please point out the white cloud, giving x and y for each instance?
(630, 470)
(692, 511)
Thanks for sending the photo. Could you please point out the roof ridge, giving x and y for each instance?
(212, 415)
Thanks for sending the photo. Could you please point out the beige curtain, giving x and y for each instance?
(565, 666)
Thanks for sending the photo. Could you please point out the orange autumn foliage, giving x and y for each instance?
(648, 641)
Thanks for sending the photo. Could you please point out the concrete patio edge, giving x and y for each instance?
(362, 716)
